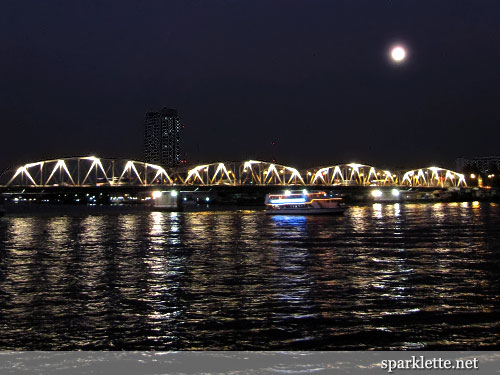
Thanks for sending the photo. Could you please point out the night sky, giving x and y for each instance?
(315, 77)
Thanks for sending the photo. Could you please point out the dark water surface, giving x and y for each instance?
(413, 276)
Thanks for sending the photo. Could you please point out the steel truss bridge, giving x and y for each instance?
(90, 171)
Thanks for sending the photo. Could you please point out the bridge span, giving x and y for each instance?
(94, 172)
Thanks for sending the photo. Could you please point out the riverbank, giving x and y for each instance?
(219, 198)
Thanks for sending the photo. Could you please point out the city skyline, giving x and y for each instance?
(301, 83)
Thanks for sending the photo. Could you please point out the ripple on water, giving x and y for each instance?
(415, 276)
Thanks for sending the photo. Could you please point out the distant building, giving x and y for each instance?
(162, 138)
(484, 164)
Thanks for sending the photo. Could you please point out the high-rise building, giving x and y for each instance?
(162, 138)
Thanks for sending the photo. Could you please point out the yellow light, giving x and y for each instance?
(355, 165)
(472, 175)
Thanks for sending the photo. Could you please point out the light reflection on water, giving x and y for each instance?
(382, 276)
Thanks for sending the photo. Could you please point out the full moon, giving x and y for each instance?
(398, 54)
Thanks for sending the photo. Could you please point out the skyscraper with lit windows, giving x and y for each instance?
(162, 138)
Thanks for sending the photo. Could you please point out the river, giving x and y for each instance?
(383, 276)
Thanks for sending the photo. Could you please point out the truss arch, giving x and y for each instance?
(433, 177)
(86, 171)
(248, 172)
(350, 174)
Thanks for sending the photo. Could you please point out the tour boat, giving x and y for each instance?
(303, 203)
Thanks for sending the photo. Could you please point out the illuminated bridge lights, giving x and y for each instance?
(249, 172)
(94, 171)
(350, 174)
(433, 177)
(87, 171)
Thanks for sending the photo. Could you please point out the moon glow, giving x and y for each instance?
(398, 54)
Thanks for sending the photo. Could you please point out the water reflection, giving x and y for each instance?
(156, 224)
(387, 276)
(357, 215)
(289, 219)
(397, 210)
(377, 210)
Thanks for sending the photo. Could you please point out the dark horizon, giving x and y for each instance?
(315, 78)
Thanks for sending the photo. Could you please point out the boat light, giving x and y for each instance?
(156, 194)
(395, 192)
(376, 193)
(173, 193)
(288, 192)
(287, 201)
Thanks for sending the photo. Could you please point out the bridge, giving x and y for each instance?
(91, 171)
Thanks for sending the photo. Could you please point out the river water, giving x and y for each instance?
(386, 276)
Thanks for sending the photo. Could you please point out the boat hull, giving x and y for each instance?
(307, 211)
